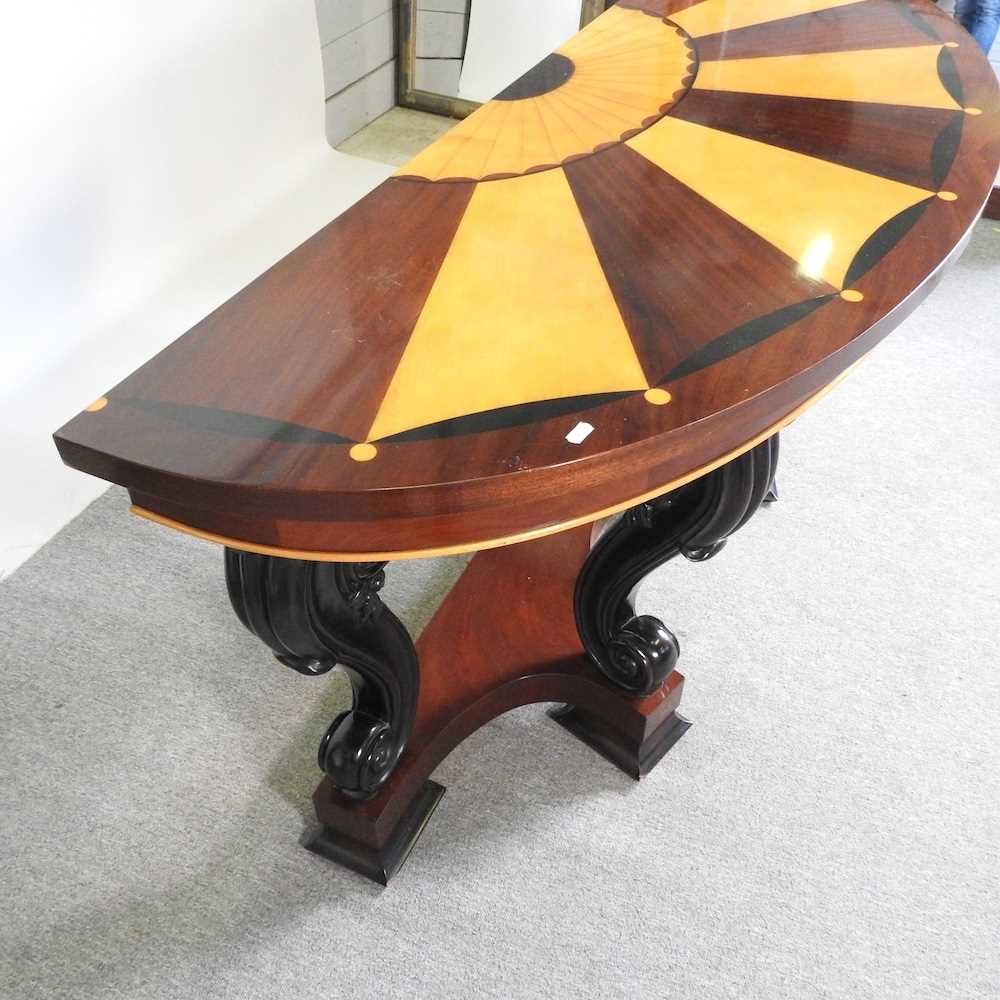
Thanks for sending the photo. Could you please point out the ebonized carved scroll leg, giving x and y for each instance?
(638, 652)
(568, 634)
(315, 616)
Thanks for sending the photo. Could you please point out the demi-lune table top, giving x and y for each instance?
(641, 258)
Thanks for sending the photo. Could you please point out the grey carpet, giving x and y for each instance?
(830, 827)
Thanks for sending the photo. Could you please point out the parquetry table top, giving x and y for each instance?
(641, 257)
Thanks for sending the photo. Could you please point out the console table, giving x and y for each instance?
(566, 337)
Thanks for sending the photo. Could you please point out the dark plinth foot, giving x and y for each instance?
(636, 737)
(380, 863)
(635, 757)
(772, 494)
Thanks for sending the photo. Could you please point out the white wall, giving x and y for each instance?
(154, 158)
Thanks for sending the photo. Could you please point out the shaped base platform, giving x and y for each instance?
(504, 637)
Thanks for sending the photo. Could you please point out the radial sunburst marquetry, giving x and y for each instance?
(531, 306)
(797, 203)
(607, 82)
(670, 232)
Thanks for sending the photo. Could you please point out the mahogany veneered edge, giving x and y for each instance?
(351, 523)
(643, 471)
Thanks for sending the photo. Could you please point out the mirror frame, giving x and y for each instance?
(408, 96)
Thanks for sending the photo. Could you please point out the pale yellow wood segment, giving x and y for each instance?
(464, 150)
(905, 76)
(817, 212)
(507, 141)
(569, 135)
(621, 104)
(592, 107)
(538, 146)
(727, 15)
(520, 312)
(578, 116)
(627, 66)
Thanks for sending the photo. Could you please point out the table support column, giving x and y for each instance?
(552, 620)
(316, 616)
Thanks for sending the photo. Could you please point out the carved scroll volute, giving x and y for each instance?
(638, 652)
(315, 616)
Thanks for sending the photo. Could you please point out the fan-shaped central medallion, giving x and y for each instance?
(602, 87)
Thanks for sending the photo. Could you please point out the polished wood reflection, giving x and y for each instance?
(677, 240)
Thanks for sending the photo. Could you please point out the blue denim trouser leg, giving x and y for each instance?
(980, 18)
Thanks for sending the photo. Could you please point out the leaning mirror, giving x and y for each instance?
(456, 54)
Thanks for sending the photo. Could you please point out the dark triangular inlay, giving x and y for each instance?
(945, 149)
(745, 336)
(916, 19)
(882, 241)
(949, 75)
(234, 423)
(507, 416)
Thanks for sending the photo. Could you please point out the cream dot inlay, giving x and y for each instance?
(658, 397)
